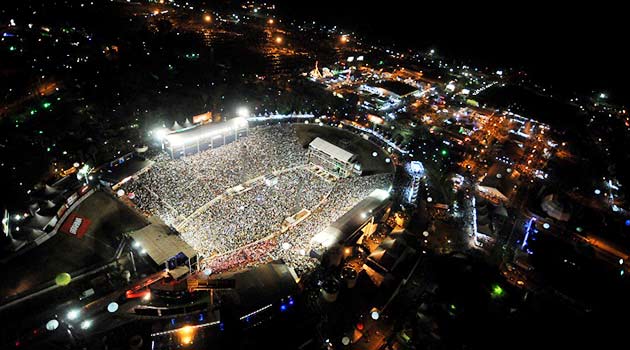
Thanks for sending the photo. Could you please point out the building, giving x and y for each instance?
(188, 141)
(396, 89)
(333, 159)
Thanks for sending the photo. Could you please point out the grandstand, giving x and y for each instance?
(183, 142)
(335, 160)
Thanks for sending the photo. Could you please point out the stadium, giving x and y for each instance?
(250, 194)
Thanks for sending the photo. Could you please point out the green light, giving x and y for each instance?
(497, 291)
(444, 152)
(33, 111)
(40, 132)
(46, 105)
(453, 307)
(47, 149)
(578, 229)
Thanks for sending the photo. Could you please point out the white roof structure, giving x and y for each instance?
(333, 151)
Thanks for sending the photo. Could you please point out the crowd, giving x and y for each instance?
(254, 213)
(233, 229)
(174, 188)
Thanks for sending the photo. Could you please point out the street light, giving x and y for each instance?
(270, 21)
(186, 335)
(73, 314)
(86, 324)
(207, 18)
(344, 39)
(112, 307)
(375, 314)
(52, 325)
(278, 40)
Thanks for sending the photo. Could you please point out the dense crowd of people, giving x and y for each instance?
(174, 188)
(229, 203)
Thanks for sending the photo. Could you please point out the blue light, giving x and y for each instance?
(291, 302)
(200, 317)
(172, 321)
(628, 222)
(283, 307)
(527, 232)
(221, 326)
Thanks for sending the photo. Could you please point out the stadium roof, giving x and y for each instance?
(332, 150)
(160, 244)
(204, 131)
(344, 227)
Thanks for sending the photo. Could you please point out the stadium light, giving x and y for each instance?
(159, 133)
(242, 112)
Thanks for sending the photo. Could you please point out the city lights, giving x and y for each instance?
(246, 174)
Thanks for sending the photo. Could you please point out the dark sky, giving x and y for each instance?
(571, 46)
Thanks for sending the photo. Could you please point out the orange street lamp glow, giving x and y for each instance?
(270, 21)
(344, 39)
(207, 18)
(278, 40)
(156, 12)
(186, 335)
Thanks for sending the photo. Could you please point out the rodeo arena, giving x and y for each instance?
(247, 206)
(238, 196)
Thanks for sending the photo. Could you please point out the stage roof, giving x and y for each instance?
(159, 244)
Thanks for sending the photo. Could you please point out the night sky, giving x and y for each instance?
(574, 47)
